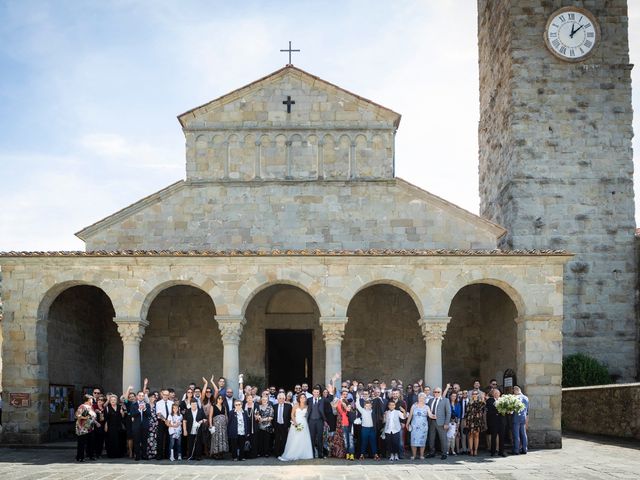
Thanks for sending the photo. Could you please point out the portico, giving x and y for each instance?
(430, 278)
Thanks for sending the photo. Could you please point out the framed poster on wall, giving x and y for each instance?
(61, 408)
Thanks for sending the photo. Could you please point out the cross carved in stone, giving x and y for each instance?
(288, 102)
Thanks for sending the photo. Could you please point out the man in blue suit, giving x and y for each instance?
(140, 413)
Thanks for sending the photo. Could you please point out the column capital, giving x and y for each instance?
(333, 328)
(434, 328)
(230, 328)
(131, 329)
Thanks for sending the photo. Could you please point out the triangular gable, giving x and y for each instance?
(314, 81)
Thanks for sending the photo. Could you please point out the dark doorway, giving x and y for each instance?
(289, 357)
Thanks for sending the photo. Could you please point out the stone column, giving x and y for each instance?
(320, 159)
(433, 330)
(131, 330)
(352, 160)
(288, 144)
(231, 331)
(257, 171)
(540, 376)
(333, 331)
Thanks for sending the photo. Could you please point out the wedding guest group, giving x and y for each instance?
(348, 420)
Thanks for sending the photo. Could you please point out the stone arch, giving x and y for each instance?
(54, 292)
(300, 280)
(481, 340)
(506, 284)
(383, 309)
(200, 282)
(181, 326)
(77, 344)
(400, 281)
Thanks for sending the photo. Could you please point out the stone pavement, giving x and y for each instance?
(580, 458)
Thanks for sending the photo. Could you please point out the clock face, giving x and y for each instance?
(572, 33)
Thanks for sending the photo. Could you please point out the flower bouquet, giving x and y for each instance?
(509, 404)
(299, 427)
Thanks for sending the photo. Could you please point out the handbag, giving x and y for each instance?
(212, 429)
(247, 446)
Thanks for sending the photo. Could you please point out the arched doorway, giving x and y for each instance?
(382, 337)
(481, 338)
(84, 351)
(182, 342)
(282, 341)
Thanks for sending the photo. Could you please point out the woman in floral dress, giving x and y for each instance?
(475, 417)
(419, 426)
(152, 439)
(85, 422)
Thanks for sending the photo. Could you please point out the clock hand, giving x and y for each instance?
(572, 31)
(576, 30)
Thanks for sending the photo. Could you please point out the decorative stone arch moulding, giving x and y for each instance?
(298, 279)
(508, 284)
(53, 291)
(149, 290)
(259, 136)
(399, 280)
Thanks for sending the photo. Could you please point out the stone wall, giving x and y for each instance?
(85, 349)
(182, 342)
(610, 410)
(556, 164)
(481, 339)
(329, 133)
(382, 338)
(292, 215)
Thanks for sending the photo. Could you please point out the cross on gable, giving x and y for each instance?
(289, 50)
(288, 102)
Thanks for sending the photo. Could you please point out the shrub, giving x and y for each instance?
(579, 370)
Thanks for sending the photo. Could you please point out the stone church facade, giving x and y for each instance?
(290, 237)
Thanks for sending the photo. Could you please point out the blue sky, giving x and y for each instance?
(90, 91)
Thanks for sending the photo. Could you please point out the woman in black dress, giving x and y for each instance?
(112, 427)
(496, 423)
(98, 431)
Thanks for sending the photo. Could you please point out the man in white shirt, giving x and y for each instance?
(305, 390)
(163, 410)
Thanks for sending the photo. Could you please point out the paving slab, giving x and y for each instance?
(580, 458)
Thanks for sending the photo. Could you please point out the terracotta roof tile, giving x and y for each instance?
(283, 253)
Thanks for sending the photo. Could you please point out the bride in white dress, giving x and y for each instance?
(298, 446)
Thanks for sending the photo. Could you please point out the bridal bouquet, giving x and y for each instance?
(299, 427)
(509, 404)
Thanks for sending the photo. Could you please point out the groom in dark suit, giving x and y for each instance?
(281, 424)
(316, 419)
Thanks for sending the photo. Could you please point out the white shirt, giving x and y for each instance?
(366, 415)
(229, 403)
(163, 408)
(392, 424)
(194, 425)
(240, 418)
(280, 409)
(308, 395)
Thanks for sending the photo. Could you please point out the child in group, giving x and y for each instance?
(174, 422)
(451, 437)
(368, 431)
(392, 429)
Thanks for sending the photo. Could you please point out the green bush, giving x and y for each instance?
(579, 370)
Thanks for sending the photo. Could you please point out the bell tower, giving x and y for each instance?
(556, 164)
